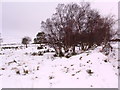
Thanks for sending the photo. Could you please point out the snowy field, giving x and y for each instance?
(23, 68)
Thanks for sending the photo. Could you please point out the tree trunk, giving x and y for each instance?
(82, 46)
(74, 49)
(56, 51)
(60, 52)
(65, 49)
(26, 46)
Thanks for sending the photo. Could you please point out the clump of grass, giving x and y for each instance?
(40, 47)
(17, 72)
(37, 54)
(40, 53)
(47, 50)
(25, 71)
(73, 74)
(105, 60)
(55, 55)
(68, 56)
(26, 53)
(80, 58)
(51, 77)
(52, 51)
(2, 68)
(73, 54)
(89, 71)
(78, 71)
(34, 54)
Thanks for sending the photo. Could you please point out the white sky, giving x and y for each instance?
(19, 19)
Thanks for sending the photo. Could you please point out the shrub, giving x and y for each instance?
(26, 53)
(17, 72)
(61, 54)
(55, 55)
(34, 54)
(40, 47)
(25, 71)
(89, 71)
(40, 53)
(44, 51)
(52, 51)
(51, 77)
(68, 56)
(74, 53)
(47, 50)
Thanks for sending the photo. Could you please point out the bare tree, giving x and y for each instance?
(64, 25)
(26, 40)
(74, 24)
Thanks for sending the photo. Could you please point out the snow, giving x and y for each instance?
(90, 69)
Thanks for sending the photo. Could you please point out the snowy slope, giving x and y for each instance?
(91, 69)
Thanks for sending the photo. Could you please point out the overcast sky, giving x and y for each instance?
(21, 19)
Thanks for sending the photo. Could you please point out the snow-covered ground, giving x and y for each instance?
(20, 68)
